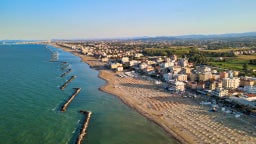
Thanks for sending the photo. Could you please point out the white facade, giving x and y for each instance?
(120, 68)
(151, 62)
(115, 65)
(205, 76)
(143, 66)
(125, 59)
(232, 83)
(167, 64)
(104, 59)
(138, 55)
(134, 62)
(180, 86)
(203, 69)
(220, 92)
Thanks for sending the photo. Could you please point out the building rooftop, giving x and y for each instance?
(251, 95)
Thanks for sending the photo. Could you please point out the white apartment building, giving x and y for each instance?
(177, 86)
(134, 62)
(203, 69)
(143, 66)
(167, 64)
(181, 77)
(219, 92)
(232, 83)
(125, 59)
(205, 76)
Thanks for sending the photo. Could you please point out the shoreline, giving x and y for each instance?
(168, 131)
(184, 120)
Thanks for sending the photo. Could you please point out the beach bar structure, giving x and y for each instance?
(84, 126)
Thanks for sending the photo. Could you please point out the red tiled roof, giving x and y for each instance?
(251, 95)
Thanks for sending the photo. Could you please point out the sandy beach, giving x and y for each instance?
(183, 118)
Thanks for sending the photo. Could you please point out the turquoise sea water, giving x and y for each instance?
(30, 99)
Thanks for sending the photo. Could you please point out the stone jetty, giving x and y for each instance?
(65, 73)
(84, 126)
(66, 83)
(64, 107)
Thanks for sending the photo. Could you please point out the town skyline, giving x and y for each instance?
(114, 19)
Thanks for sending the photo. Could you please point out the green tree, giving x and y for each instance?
(245, 67)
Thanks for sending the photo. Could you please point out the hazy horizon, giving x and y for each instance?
(88, 19)
(132, 37)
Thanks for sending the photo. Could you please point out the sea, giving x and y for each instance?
(30, 102)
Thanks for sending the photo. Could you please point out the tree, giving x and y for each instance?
(197, 57)
(245, 67)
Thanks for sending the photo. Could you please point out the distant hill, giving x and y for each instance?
(212, 36)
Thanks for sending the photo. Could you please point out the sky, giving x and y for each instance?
(90, 19)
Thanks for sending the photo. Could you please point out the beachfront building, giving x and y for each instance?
(175, 69)
(245, 81)
(219, 84)
(134, 63)
(125, 59)
(149, 62)
(215, 76)
(183, 62)
(223, 75)
(120, 68)
(235, 73)
(193, 76)
(177, 86)
(138, 55)
(167, 64)
(212, 85)
(174, 57)
(192, 85)
(200, 85)
(181, 77)
(105, 59)
(205, 76)
(186, 70)
(167, 59)
(143, 66)
(230, 74)
(149, 69)
(247, 99)
(159, 60)
(115, 65)
(220, 92)
(167, 76)
(250, 97)
(232, 83)
(203, 69)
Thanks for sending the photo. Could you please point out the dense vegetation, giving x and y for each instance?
(252, 62)
(197, 57)
(166, 51)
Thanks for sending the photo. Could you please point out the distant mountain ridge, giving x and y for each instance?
(192, 36)
(201, 36)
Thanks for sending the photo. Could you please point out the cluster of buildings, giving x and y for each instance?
(244, 52)
(178, 73)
